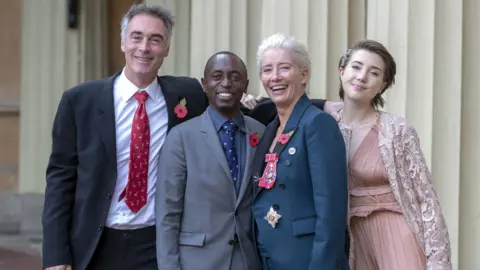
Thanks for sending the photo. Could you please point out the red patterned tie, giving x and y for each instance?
(135, 192)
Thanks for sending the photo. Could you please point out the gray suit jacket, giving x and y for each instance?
(201, 224)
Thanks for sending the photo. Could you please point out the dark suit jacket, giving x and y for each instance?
(310, 192)
(265, 111)
(81, 172)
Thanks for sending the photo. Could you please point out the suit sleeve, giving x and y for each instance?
(61, 178)
(319, 103)
(171, 182)
(328, 169)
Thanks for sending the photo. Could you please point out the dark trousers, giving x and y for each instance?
(126, 250)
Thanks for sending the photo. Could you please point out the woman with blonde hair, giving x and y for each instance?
(395, 219)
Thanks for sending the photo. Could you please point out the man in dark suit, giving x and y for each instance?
(99, 199)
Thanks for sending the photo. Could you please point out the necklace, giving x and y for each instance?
(358, 130)
(359, 123)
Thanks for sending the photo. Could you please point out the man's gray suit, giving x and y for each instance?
(201, 224)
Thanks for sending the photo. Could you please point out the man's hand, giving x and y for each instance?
(249, 101)
(333, 108)
(60, 267)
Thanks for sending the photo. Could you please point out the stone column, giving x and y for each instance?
(216, 25)
(425, 38)
(93, 40)
(469, 228)
(447, 113)
(49, 65)
(178, 60)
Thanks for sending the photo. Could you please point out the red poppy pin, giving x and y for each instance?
(255, 139)
(181, 109)
(285, 137)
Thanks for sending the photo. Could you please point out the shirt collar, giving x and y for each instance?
(218, 119)
(128, 89)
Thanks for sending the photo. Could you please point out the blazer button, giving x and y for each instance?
(100, 228)
(234, 241)
(287, 162)
(275, 207)
(109, 196)
(281, 186)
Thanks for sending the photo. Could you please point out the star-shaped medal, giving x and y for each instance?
(272, 217)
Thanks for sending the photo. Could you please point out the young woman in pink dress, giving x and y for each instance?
(395, 219)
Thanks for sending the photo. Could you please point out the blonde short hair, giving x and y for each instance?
(301, 56)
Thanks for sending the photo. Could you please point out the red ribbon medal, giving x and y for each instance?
(270, 174)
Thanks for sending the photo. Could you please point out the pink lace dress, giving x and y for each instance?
(381, 238)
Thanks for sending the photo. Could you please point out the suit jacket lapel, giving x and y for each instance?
(211, 138)
(248, 161)
(292, 124)
(106, 119)
(258, 163)
(172, 99)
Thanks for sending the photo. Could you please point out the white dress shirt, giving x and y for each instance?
(119, 215)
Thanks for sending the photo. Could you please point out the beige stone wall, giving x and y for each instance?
(49, 65)
(11, 29)
(435, 44)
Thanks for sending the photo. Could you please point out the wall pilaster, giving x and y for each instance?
(425, 38)
(216, 25)
(178, 60)
(469, 225)
(49, 65)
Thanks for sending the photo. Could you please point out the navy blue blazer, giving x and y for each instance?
(310, 193)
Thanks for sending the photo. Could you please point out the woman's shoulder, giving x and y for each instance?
(393, 118)
(395, 123)
(313, 112)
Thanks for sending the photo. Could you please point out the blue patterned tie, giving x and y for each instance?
(228, 143)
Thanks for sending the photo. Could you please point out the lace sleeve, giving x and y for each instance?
(435, 233)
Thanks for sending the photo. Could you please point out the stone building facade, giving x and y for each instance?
(435, 42)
